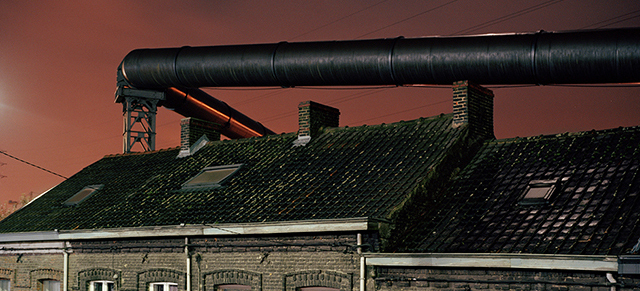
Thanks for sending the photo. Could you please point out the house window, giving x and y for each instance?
(163, 286)
(50, 285)
(5, 285)
(233, 287)
(539, 192)
(212, 176)
(85, 193)
(101, 286)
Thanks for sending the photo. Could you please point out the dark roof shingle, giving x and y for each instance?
(343, 173)
(596, 210)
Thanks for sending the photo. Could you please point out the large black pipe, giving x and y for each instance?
(577, 57)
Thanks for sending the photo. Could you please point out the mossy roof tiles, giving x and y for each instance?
(596, 210)
(343, 173)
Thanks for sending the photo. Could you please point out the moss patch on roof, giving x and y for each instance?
(343, 173)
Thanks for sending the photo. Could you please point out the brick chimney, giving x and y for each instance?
(312, 117)
(195, 133)
(473, 105)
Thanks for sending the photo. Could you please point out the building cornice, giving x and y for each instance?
(506, 261)
(221, 229)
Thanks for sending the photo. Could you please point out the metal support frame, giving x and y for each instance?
(139, 109)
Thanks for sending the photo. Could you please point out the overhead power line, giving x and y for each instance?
(33, 165)
(339, 19)
(403, 111)
(508, 16)
(408, 18)
(613, 20)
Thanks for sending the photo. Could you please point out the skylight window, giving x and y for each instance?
(83, 194)
(212, 176)
(538, 192)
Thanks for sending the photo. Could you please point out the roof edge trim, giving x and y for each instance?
(508, 261)
(29, 236)
(222, 229)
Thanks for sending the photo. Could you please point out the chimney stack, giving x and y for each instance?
(312, 117)
(195, 133)
(473, 105)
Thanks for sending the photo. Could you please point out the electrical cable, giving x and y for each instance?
(338, 20)
(347, 87)
(402, 111)
(622, 20)
(353, 96)
(33, 165)
(260, 97)
(593, 26)
(332, 102)
(411, 17)
(634, 85)
(508, 16)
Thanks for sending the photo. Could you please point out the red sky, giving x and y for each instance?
(58, 63)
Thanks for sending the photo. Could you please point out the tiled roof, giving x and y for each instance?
(595, 211)
(343, 173)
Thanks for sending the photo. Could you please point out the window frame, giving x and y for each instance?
(219, 183)
(45, 281)
(73, 201)
(164, 284)
(105, 282)
(529, 197)
(8, 281)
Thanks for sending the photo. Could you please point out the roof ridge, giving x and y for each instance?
(396, 123)
(240, 140)
(284, 134)
(141, 153)
(248, 139)
(567, 134)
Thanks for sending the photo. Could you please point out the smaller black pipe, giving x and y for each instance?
(197, 103)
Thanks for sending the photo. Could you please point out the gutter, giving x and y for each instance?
(507, 261)
(222, 229)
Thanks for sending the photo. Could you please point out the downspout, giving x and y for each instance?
(65, 272)
(362, 262)
(612, 281)
(186, 252)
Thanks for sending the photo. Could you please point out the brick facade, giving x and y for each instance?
(263, 262)
(192, 129)
(26, 272)
(425, 279)
(313, 116)
(287, 267)
(473, 105)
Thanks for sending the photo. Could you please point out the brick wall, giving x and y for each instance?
(25, 271)
(266, 268)
(264, 262)
(425, 279)
(192, 129)
(313, 116)
(473, 105)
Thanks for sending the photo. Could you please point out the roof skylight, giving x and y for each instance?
(212, 176)
(83, 194)
(538, 192)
